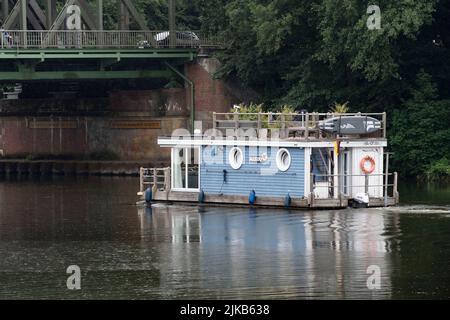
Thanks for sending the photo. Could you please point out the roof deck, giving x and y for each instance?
(302, 126)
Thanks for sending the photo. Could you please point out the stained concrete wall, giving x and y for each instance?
(134, 144)
(78, 127)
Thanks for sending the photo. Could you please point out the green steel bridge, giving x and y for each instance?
(36, 45)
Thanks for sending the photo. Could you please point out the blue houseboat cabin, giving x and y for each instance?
(318, 160)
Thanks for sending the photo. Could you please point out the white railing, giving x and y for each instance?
(299, 124)
(42, 39)
(341, 185)
(154, 178)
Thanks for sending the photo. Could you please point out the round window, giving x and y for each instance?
(283, 159)
(236, 158)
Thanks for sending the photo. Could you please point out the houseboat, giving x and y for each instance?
(295, 160)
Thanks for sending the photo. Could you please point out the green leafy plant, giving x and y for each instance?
(248, 112)
(340, 107)
(439, 170)
(269, 120)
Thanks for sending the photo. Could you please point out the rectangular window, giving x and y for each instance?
(185, 169)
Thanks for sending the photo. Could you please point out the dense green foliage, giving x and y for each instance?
(439, 170)
(313, 53)
(421, 127)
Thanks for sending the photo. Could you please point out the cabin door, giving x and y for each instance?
(185, 169)
(345, 173)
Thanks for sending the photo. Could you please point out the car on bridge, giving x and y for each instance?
(183, 39)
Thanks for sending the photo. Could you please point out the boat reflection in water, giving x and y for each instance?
(248, 253)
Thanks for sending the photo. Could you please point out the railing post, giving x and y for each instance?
(396, 197)
(155, 179)
(366, 183)
(141, 180)
(259, 122)
(336, 180)
(167, 179)
(307, 126)
(386, 180)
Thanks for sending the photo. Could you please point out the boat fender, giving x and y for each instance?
(287, 201)
(225, 175)
(148, 195)
(201, 196)
(252, 197)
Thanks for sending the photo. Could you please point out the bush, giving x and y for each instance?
(251, 108)
(439, 170)
(420, 131)
(254, 109)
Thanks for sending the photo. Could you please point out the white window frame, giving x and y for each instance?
(172, 154)
(235, 166)
(280, 166)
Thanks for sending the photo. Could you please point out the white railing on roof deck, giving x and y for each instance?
(307, 124)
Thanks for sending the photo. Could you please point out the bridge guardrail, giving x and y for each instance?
(91, 39)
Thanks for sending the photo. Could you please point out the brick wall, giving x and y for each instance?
(211, 95)
(93, 131)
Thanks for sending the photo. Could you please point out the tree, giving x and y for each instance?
(421, 128)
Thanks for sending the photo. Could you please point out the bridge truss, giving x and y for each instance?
(37, 45)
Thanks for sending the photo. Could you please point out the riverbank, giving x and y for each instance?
(12, 167)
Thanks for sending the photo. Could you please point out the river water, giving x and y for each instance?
(187, 252)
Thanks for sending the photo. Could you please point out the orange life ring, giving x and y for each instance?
(363, 167)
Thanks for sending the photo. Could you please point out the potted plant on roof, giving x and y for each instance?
(339, 108)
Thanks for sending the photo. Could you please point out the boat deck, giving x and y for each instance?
(192, 197)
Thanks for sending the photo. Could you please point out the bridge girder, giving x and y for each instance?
(41, 16)
(35, 65)
(29, 12)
